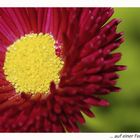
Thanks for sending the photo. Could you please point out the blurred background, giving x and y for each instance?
(124, 113)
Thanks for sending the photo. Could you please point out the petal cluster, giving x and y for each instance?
(89, 67)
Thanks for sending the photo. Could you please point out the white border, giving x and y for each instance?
(69, 3)
(69, 136)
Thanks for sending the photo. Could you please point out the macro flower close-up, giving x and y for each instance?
(55, 65)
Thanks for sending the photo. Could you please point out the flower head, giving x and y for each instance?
(55, 63)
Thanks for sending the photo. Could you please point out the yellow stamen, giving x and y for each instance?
(31, 63)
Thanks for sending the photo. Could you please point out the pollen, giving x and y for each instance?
(31, 64)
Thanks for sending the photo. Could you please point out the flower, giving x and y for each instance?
(55, 64)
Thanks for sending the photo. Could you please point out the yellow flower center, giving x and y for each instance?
(31, 63)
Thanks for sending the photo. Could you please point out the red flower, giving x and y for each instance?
(84, 58)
